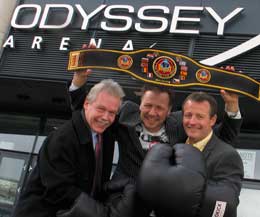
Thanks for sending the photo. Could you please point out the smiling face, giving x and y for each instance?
(197, 121)
(154, 109)
(101, 112)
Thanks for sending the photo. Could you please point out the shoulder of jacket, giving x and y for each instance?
(129, 113)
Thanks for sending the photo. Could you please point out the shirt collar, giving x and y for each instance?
(158, 133)
(202, 143)
(94, 138)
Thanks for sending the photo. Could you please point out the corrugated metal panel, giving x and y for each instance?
(169, 42)
(208, 46)
(11, 123)
(50, 63)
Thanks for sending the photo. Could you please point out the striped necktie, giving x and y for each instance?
(96, 187)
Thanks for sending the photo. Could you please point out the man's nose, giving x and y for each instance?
(152, 111)
(193, 120)
(107, 116)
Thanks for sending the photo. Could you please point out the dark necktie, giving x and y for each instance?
(98, 170)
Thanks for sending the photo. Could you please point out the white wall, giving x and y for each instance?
(249, 205)
(6, 10)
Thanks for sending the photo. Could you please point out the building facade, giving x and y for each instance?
(37, 36)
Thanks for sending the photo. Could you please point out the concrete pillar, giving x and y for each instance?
(6, 11)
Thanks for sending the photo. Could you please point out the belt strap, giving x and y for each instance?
(164, 68)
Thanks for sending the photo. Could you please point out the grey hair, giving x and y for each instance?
(109, 86)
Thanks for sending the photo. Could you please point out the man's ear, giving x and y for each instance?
(86, 103)
(170, 110)
(213, 120)
(140, 105)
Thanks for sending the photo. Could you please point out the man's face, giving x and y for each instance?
(197, 121)
(154, 109)
(100, 113)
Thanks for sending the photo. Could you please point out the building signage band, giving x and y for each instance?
(111, 13)
(132, 19)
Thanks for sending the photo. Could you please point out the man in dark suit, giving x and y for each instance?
(218, 167)
(68, 165)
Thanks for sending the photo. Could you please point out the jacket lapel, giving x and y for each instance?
(135, 140)
(129, 117)
(210, 146)
(171, 130)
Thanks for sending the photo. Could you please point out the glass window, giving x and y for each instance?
(15, 142)
(10, 174)
(39, 142)
(251, 162)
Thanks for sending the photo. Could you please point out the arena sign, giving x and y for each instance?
(113, 21)
(41, 16)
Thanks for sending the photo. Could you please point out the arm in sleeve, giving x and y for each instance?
(77, 97)
(58, 172)
(229, 129)
(85, 206)
(223, 188)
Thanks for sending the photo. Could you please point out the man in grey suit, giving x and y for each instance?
(223, 164)
(218, 192)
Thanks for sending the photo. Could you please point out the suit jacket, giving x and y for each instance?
(65, 168)
(224, 175)
(131, 154)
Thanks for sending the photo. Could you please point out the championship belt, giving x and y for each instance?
(164, 68)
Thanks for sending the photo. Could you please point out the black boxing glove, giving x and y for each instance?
(85, 206)
(129, 204)
(172, 180)
(116, 184)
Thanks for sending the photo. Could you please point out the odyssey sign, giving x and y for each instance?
(165, 19)
(132, 19)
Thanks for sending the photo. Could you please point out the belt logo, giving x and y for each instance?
(124, 62)
(164, 67)
(203, 75)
